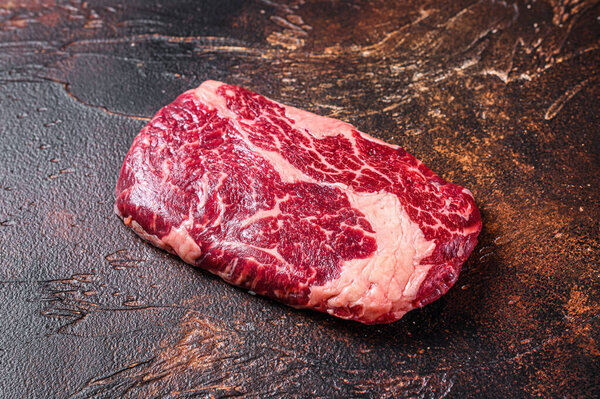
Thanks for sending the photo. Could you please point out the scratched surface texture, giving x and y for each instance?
(501, 97)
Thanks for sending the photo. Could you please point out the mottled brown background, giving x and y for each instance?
(501, 97)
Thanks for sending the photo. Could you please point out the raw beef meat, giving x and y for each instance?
(295, 206)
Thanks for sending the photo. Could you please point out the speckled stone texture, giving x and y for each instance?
(499, 97)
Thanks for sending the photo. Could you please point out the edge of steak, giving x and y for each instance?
(294, 206)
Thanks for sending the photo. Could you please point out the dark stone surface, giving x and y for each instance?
(501, 97)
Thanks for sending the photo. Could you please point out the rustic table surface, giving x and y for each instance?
(501, 97)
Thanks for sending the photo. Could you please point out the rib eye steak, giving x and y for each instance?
(294, 206)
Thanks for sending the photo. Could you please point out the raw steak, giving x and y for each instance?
(295, 206)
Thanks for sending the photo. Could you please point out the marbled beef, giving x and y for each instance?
(295, 206)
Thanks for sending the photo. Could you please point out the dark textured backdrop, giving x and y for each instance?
(501, 97)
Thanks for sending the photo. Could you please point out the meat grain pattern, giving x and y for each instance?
(294, 206)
